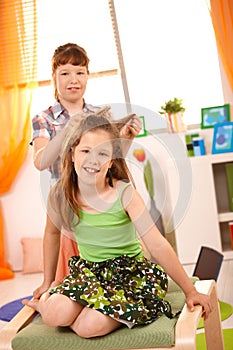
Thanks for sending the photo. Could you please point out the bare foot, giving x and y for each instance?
(34, 303)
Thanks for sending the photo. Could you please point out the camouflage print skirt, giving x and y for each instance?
(131, 290)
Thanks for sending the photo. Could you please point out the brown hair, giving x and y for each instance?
(69, 53)
(64, 193)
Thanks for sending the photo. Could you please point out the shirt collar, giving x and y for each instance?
(57, 108)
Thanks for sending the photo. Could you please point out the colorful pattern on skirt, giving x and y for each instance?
(127, 289)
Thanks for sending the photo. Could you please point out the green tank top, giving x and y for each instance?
(107, 235)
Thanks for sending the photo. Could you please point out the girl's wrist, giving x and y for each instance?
(190, 291)
(47, 281)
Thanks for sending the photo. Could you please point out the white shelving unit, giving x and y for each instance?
(194, 205)
(225, 215)
(206, 219)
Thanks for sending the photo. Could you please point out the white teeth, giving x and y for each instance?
(90, 170)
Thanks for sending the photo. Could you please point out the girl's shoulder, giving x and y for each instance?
(89, 108)
(49, 114)
(121, 185)
(125, 192)
(129, 196)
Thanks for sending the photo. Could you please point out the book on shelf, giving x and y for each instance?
(229, 174)
(230, 224)
(189, 143)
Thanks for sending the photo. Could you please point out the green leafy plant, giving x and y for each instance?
(172, 106)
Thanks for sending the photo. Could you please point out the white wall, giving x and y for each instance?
(24, 210)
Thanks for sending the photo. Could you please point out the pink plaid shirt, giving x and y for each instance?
(49, 123)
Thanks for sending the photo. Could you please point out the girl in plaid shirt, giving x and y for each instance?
(50, 127)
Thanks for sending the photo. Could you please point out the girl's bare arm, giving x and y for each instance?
(160, 249)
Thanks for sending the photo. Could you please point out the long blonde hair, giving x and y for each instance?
(63, 195)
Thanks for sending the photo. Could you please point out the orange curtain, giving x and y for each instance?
(18, 74)
(221, 12)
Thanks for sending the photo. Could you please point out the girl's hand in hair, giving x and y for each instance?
(132, 127)
(104, 112)
(76, 119)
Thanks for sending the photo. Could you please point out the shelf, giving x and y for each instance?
(225, 217)
(220, 158)
(215, 158)
(228, 254)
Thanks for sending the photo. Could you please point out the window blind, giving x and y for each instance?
(18, 45)
(31, 30)
(86, 23)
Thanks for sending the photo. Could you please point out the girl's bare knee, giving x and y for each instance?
(93, 324)
(59, 311)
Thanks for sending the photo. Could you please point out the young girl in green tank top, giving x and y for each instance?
(111, 283)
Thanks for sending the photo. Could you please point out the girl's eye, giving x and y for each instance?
(80, 73)
(64, 73)
(84, 150)
(103, 154)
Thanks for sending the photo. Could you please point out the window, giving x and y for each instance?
(168, 47)
(170, 51)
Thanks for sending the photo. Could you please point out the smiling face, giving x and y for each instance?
(92, 157)
(70, 82)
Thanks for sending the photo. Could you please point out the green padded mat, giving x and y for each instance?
(38, 336)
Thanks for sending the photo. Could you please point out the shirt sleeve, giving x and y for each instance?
(40, 127)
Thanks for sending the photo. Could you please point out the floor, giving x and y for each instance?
(24, 284)
(20, 286)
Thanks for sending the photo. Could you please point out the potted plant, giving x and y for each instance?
(172, 106)
(174, 110)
